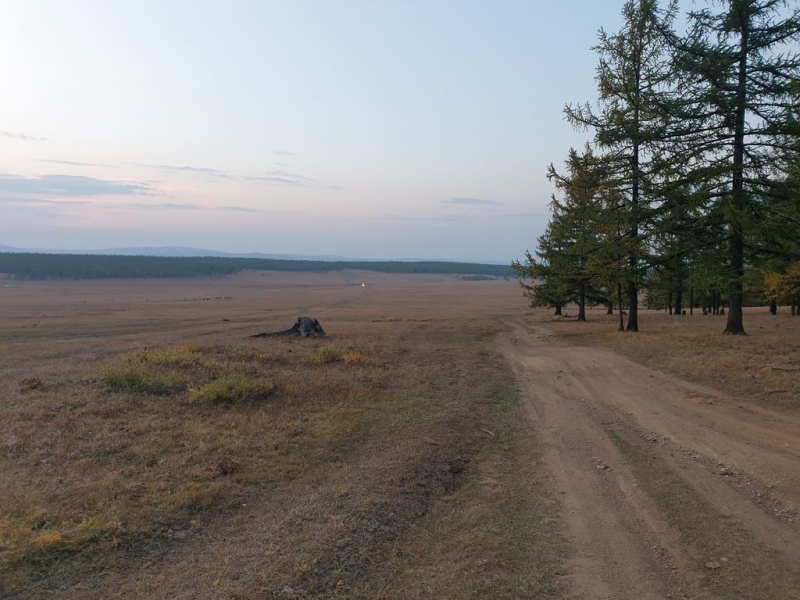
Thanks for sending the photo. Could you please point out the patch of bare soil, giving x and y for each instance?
(670, 489)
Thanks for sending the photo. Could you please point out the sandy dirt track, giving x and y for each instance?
(742, 459)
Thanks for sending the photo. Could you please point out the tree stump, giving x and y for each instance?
(304, 327)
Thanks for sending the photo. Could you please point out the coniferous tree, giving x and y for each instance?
(574, 231)
(562, 270)
(735, 122)
(631, 76)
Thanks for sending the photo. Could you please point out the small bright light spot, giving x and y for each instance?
(363, 285)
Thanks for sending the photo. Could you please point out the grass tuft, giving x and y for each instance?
(187, 355)
(31, 383)
(135, 377)
(331, 354)
(231, 388)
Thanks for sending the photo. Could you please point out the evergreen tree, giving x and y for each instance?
(736, 121)
(632, 74)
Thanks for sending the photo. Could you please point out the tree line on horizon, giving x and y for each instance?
(688, 193)
(36, 266)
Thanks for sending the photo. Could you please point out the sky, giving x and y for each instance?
(372, 128)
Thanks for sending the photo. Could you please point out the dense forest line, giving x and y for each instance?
(91, 266)
(688, 192)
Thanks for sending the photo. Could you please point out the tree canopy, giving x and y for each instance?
(693, 166)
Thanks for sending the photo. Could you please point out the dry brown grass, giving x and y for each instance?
(327, 482)
(762, 367)
(106, 462)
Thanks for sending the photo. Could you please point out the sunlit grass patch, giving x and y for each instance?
(231, 388)
(331, 354)
(242, 351)
(187, 355)
(135, 377)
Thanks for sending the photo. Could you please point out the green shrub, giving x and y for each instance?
(136, 378)
(231, 389)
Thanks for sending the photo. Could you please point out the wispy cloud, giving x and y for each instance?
(7, 200)
(283, 173)
(177, 206)
(71, 185)
(273, 177)
(22, 136)
(275, 181)
(471, 202)
(161, 206)
(72, 163)
(439, 218)
(284, 153)
(239, 209)
(190, 169)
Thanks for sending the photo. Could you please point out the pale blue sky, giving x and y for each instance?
(363, 128)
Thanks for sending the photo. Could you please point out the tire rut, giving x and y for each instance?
(579, 398)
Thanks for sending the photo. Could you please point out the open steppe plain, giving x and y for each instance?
(444, 441)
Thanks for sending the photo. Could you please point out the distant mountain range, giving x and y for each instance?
(178, 251)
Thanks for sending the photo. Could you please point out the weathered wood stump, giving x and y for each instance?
(304, 327)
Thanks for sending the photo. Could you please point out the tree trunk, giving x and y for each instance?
(633, 292)
(773, 307)
(582, 304)
(558, 311)
(691, 300)
(610, 308)
(633, 307)
(678, 298)
(304, 327)
(621, 312)
(736, 211)
(669, 302)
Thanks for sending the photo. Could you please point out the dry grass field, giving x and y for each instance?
(437, 444)
(150, 448)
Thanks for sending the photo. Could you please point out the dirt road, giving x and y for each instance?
(736, 466)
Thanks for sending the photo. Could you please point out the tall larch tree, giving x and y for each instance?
(734, 121)
(633, 71)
